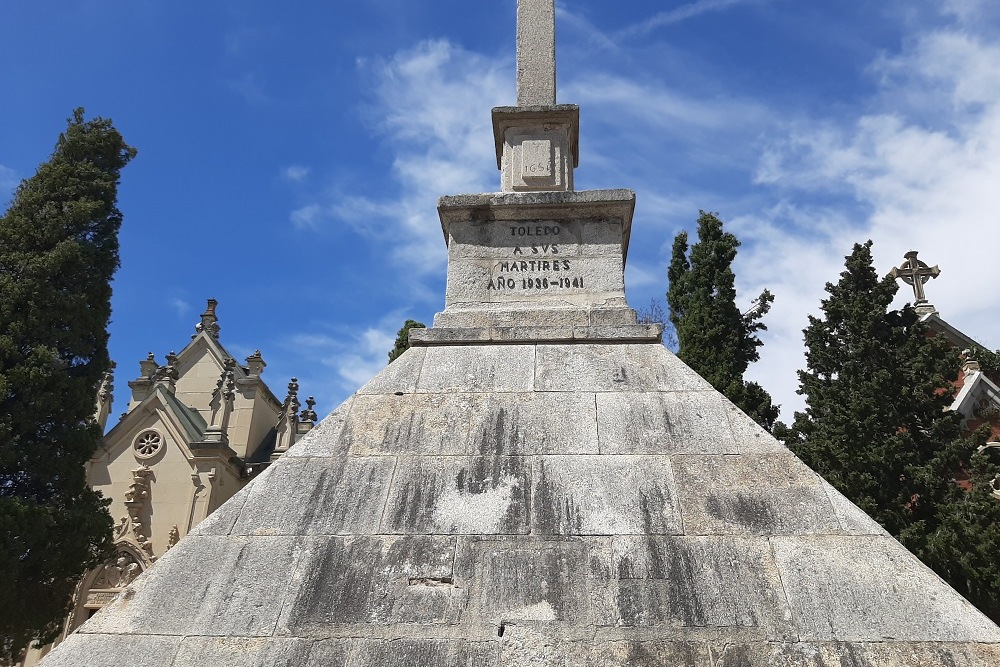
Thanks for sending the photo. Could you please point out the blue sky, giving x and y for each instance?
(290, 156)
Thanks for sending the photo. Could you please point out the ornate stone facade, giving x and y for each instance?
(197, 429)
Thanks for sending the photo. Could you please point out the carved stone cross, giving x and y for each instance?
(536, 53)
(915, 273)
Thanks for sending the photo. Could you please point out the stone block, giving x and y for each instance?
(97, 650)
(460, 495)
(749, 435)
(425, 653)
(318, 497)
(251, 652)
(525, 645)
(604, 495)
(239, 595)
(325, 439)
(622, 367)
(852, 520)
(410, 424)
(399, 376)
(678, 583)
(494, 368)
(372, 581)
(542, 581)
(842, 654)
(664, 423)
(759, 494)
(860, 588)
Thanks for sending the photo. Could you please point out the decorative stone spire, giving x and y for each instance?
(255, 364)
(288, 422)
(537, 142)
(166, 376)
(105, 397)
(222, 406)
(142, 385)
(307, 418)
(916, 273)
(209, 322)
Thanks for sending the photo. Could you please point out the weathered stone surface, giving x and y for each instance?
(95, 650)
(524, 645)
(760, 494)
(323, 497)
(605, 495)
(324, 440)
(372, 581)
(465, 495)
(841, 654)
(239, 594)
(622, 367)
(852, 520)
(399, 376)
(699, 582)
(871, 589)
(424, 653)
(252, 652)
(494, 368)
(664, 423)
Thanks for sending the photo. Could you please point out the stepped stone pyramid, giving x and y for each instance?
(537, 482)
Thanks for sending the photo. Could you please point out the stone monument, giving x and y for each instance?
(538, 481)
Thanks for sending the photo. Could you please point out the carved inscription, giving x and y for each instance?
(535, 264)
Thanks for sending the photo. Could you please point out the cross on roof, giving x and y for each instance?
(915, 273)
(536, 53)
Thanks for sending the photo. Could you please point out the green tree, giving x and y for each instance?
(714, 337)
(403, 339)
(876, 426)
(58, 252)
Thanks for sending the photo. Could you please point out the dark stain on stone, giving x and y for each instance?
(620, 375)
(500, 435)
(555, 511)
(671, 590)
(422, 653)
(749, 510)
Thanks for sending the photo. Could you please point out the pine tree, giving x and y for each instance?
(403, 339)
(876, 426)
(714, 338)
(58, 252)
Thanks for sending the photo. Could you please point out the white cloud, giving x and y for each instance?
(920, 170)
(180, 306)
(295, 173)
(431, 105)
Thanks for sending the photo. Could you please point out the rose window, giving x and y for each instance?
(147, 444)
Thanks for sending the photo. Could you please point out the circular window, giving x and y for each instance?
(147, 444)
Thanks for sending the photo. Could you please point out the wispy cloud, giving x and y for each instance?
(180, 306)
(295, 173)
(8, 180)
(432, 103)
(677, 15)
(250, 87)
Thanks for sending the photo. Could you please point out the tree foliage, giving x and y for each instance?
(58, 252)
(876, 426)
(714, 337)
(403, 339)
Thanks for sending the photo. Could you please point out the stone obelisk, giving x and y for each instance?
(538, 481)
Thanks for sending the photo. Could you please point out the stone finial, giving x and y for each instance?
(916, 273)
(209, 322)
(309, 415)
(222, 406)
(255, 364)
(167, 375)
(105, 397)
(148, 366)
(173, 537)
(288, 422)
(970, 366)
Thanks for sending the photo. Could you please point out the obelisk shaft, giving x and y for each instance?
(536, 53)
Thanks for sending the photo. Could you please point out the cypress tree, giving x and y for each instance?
(58, 252)
(714, 337)
(403, 339)
(876, 426)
